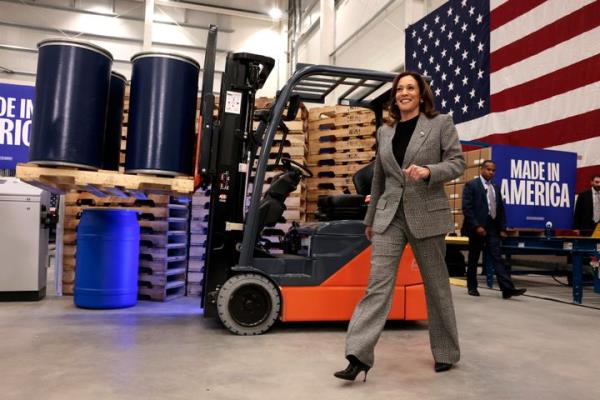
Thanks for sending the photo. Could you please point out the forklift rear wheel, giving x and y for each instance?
(248, 304)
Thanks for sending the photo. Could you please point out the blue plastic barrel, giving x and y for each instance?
(71, 97)
(162, 114)
(107, 261)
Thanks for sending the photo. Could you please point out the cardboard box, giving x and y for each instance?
(456, 204)
(458, 190)
(471, 157)
(470, 173)
(485, 153)
(458, 222)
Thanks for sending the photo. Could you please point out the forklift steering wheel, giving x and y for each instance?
(290, 164)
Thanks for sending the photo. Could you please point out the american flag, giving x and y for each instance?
(517, 72)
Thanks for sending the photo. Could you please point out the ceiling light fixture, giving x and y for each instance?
(275, 13)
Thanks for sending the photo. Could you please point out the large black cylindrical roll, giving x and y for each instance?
(114, 122)
(71, 96)
(162, 113)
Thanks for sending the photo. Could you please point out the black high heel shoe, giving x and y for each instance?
(442, 367)
(352, 370)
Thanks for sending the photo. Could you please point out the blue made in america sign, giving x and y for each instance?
(537, 185)
(16, 113)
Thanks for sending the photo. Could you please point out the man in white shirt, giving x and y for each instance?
(484, 223)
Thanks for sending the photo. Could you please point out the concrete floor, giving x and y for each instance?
(523, 348)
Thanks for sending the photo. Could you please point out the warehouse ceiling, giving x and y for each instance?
(253, 6)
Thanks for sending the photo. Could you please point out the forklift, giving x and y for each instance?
(323, 272)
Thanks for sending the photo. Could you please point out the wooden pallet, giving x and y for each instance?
(196, 264)
(151, 280)
(163, 253)
(84, 198)
(329, 183)
(318, 147)
(318, 113)
(197, 251)
(150, 213)
(198, 239)
(170, 291)
(331, 171)
(342, 133)
(102, 183)
(362, 157)
(313, 195)
(163, 239)
(291, 139)
(174, 224)
(162, 267)
(354, 118)
(288, 152)
(194, 289)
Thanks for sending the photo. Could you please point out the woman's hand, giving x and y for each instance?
(369, 233)
(417, 173)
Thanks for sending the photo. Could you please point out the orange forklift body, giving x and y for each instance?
(336, 298)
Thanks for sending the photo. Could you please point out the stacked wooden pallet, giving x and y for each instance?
(164, 253)
(198, 236)
(341, 140)
(124, 130)
(294, 148)
(454, 188)
(163, 241)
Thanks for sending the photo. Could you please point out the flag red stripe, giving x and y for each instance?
(574, 24)
(572, 129)
(511, 10)
(559, 81)
(584, 176)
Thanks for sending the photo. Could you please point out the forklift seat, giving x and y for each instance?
(271, 207)
(348, 206)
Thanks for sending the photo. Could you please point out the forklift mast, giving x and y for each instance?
(226, 164)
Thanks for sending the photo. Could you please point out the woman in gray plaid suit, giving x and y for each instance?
(417, 154)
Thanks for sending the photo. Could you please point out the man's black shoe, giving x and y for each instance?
(507, 294)
(473, 292)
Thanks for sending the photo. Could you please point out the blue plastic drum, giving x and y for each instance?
(107, 261)
(162, 114)
(114, 122)
(71, 96)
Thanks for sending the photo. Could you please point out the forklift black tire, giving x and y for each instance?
(248, 304)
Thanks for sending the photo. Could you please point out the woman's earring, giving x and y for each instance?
(421, 101)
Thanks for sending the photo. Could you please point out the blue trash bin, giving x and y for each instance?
(107, 261)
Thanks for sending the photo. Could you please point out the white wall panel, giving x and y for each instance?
(309, 51)
(379, 45)
(352, 14)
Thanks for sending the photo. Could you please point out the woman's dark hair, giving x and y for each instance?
(427, 106)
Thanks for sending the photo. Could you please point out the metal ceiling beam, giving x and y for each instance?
(215, 9)
(96, 35)
(111, 15)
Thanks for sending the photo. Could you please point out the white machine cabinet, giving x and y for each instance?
(23, 241)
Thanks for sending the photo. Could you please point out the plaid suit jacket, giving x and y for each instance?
(434, 144)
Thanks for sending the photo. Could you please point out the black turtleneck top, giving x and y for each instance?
(404, 131)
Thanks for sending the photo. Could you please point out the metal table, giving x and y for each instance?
(577, 247)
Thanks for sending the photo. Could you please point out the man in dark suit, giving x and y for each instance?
(484, 223)
(587, 208)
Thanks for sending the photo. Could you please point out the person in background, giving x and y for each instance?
(417, 153)
(587, 208)
(484, 224)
